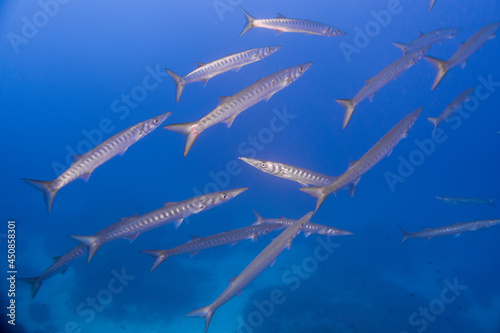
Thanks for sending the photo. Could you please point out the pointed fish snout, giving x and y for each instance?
(164, 116)
(237, 191)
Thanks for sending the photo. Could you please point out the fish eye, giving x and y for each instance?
(263, 165)
(269, 49)
(223, 196)
(301, 69)
(155, 121)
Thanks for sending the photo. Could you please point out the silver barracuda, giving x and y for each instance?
(303, 176)
(233, 61)
(85, 164)
(468, 201)
(436, 36)
(265, 259)
(284, 24)
(232, 106)
(466, 50)
(391, 72)
(197, 244)
(310, 228)
(454, 229)
(452, 108)
(358, 168)
(173, 212)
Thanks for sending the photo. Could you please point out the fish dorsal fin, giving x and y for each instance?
(229, 121)
(281, 16)
(420, 34)
(77, 157)
(222, 99)
(194, 237)
(169, 203)
(57, 258)
(352, 163)
(126, 219)
(200, 64)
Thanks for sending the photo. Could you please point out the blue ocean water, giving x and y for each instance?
(75, 73)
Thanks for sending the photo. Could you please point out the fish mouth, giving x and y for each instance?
(251, 161)
(238, 191)
(164, 117)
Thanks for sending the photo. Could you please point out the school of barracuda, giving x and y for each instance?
(315, 184)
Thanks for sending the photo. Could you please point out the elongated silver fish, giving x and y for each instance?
(265, 259)
(467, 201)
(452, 108)
(232, 106)
(466, 50)
(284, 24)
(454, 229)
(309, 228)
(303, 176)
(358, 168)
(433, 37)
(233, 61)
(433, 2)
(196, 244)
(129, 228)
(85, 164)
(391, 72)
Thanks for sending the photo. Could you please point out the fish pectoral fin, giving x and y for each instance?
(200, 64)
(132, 238)
(192, 254)
(229, 121)
(177, 223)
(307, 234)
(371, 98)
(253, 237)
(86, 176)
(237, 69)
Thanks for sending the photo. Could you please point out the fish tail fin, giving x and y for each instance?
(317, 192)
(49, 193)
(159, 255)
(405, 235)
(349, 110)
(400, 46)
(434, 121)
(90, 242)
(34, 283)
(179, 84)
(441, 66)
(206, 312)
(186, 129)
(258, 218)
(249, 23)
(492, 202)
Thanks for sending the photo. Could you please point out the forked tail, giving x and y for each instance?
(435, 122)
(206, 312)
(249, 23)
(159, 255)
(349, 110)
(317, 192)
(34, 283)
(179, 84)
(400, 46)
(186, 129)
(49, 193)
(405, 235)
(90, 242)
(441, 66)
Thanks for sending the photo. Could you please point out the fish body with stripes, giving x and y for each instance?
(452, 108)
(232, 106)
(233, 61)
(358, 168)
(265, 259)
(85, 164)
(433, 37)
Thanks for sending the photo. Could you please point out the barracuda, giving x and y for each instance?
(196, 244)
(468, 201)
(454, 229)
(433, 37)
(265, 259)
(85, 164)
(466, 50)
(309, 228)
(173, 212)
(232, 106)
(231, 62)
(303, 176)
(391, 72)
(358, 168)
(284, 24)
(451, 108)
